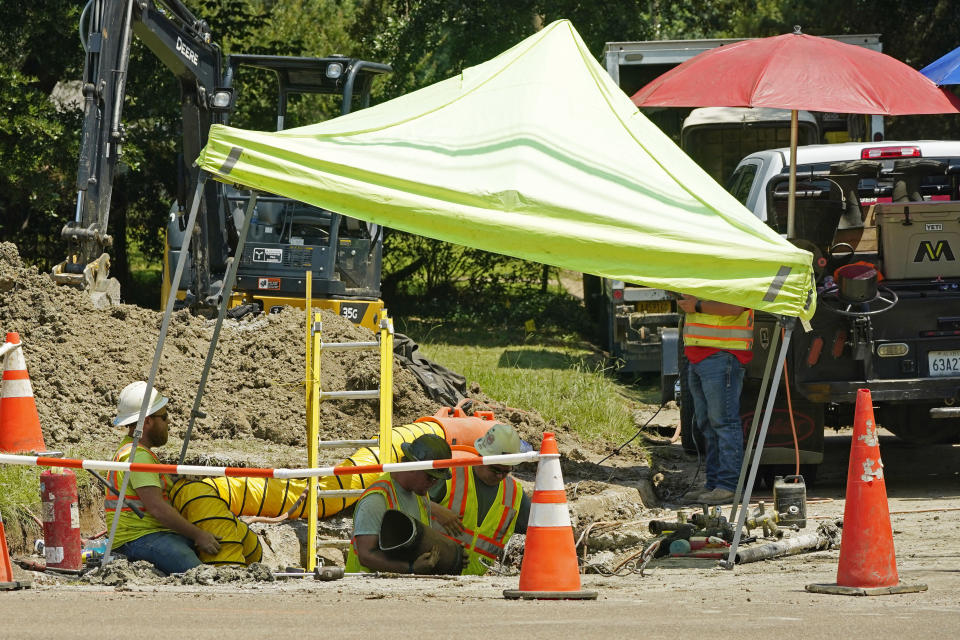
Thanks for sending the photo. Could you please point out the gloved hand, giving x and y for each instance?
(446, 519)
(426, 562)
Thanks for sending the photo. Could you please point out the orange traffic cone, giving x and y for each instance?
(19, 420)
(6, 570)
(549, 569)
(868, 564)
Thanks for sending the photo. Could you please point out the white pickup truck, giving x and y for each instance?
(890, 207)
(752, 174)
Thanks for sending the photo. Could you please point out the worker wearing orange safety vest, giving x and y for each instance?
(404, 491)
(482, 506)
(159, 534)
(718, 343)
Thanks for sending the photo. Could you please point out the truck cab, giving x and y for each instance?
(753, 173)
(882, 221)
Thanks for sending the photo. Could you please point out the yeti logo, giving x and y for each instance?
(928, 250)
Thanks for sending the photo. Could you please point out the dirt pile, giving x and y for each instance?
(122, 572)
(80, 357)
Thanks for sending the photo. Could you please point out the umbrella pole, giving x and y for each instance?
(792, 197)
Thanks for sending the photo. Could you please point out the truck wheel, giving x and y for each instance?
(912, 423)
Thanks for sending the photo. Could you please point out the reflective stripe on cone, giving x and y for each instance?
(19, 420)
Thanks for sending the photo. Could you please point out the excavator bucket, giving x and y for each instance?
(104, 290)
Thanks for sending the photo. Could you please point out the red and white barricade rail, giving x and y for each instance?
(255, 472)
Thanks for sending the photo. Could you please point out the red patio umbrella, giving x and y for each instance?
(798, 72)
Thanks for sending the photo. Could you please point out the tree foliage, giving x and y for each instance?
(424, 40)
(37, 139)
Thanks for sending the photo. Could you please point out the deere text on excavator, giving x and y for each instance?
(286, 238)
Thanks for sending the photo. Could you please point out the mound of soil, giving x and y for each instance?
(80, 357)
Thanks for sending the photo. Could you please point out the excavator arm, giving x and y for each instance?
(182, 42)
(344, 255)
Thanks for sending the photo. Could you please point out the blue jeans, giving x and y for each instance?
(170, 552)
(715, 384)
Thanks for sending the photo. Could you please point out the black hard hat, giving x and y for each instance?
(428, 447)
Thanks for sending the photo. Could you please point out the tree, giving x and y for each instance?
(37, 136)
(424, 40)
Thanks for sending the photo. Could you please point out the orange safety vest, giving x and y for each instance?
(112, 497)
(385, 487)
(487, 539)
(730, 333)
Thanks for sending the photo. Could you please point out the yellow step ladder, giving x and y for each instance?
(315, 395)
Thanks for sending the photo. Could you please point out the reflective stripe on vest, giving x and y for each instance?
(385, 487)
(490, 537)
(112, 497)
(720, 332)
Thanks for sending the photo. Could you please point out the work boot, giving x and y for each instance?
(693, 495)
(717, 496)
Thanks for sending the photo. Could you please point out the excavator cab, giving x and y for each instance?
(287, 238)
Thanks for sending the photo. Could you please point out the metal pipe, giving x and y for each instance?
(757, 412)
(788, 547)
(334, 444)
(121, 74)
(369, 394)
(792, 198)
(347, 346)
(164, 326)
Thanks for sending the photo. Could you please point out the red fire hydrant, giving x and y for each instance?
(61, 520)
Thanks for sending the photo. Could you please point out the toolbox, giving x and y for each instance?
(919, 240)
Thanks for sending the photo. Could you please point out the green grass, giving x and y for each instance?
(566, 384)
(19, 485)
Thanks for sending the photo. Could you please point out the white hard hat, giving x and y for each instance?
(131, 398)
(500, 439)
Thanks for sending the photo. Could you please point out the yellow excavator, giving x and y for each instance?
(285, 239)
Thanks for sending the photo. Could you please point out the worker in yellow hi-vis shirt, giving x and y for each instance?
(482, 506)
(161, 536)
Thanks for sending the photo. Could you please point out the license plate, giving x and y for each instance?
(944, 363)
(654, 306)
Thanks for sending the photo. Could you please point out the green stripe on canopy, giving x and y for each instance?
(535, 154)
